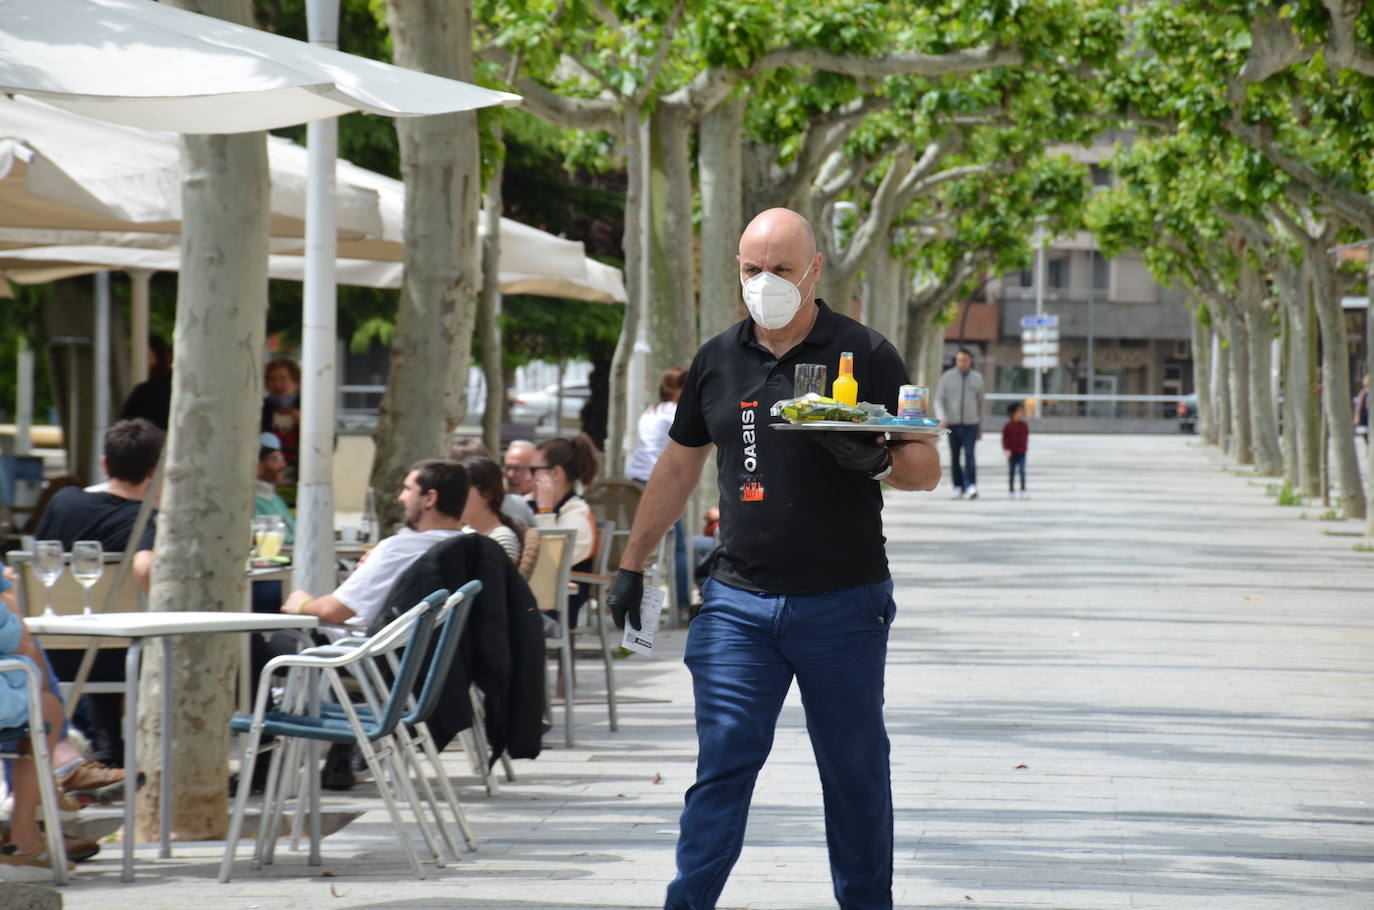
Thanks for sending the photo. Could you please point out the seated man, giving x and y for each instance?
(434, 494)
(272, 474)
(267, 501)
(132, 449)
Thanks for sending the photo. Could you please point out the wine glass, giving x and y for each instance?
(47, 562)
(88, 563)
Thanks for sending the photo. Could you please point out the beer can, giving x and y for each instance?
(912, 401)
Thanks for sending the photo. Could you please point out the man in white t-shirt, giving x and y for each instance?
(434, 493)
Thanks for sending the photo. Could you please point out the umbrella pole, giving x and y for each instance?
(139, 280)
(100, 349)
(319, 332)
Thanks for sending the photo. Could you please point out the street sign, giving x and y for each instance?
(1029, 336)
(1041, 362)
(1040, 348)
(1046, 320)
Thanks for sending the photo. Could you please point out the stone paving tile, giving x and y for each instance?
(1183, 668)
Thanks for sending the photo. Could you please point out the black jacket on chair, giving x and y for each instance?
(502, 649)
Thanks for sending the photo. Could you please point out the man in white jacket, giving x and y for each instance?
(958, 404)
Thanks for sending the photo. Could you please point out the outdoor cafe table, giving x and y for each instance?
(137, 627)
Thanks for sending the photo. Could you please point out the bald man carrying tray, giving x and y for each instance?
(802, 586)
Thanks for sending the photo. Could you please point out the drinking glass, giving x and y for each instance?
(47, 562)
(808, 378)
(88, 562)
(262, 524)
(270, 533)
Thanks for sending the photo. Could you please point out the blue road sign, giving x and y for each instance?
(1039, 322)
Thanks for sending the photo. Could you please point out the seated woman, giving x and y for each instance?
(561, 467)
(486, 494)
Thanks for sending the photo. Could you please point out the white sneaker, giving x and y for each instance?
(958, 493)
(971, 492)
(1025, 495)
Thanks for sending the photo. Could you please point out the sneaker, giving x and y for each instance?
(1025, 495)
(91, 781)
(971, 492)
(958, 493)
(35, 866)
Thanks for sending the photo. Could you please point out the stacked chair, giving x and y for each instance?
(388, 727)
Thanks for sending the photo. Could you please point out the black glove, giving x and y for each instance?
(856, 451)
(627, 593)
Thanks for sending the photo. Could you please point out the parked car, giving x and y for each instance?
(1186, 409)
(537, 406)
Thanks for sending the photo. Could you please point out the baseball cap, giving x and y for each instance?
(269, 441)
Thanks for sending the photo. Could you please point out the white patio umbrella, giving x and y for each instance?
(145, 64)
(112, 193)
(61, 171)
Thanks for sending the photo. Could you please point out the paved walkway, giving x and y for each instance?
(1146, 687)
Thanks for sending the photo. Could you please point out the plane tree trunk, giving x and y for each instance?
(426, 386)
(204, 520)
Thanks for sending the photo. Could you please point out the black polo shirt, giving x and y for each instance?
(792, 521)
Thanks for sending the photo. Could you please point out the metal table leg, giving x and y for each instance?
(132, 661)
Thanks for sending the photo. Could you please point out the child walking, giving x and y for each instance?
(1015, 439)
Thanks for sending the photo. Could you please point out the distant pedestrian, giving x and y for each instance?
(1015, 440)
(958, 404)
(650, 442)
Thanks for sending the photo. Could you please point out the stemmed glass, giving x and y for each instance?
(88, 562)
(47, 562)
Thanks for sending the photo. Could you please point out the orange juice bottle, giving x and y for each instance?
(845, 388)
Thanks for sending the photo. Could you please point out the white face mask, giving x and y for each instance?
(772, 299)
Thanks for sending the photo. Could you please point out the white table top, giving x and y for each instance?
(142, 625)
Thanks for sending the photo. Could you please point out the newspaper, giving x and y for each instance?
(641, 641)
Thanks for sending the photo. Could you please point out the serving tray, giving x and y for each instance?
(845, 426)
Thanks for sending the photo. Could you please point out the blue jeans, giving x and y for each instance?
(743, 649)
(1017, 462)
(962, 437)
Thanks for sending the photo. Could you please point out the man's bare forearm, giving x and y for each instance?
(915, 466)
(674, 478)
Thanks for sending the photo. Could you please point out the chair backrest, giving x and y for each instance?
(614, 499)
(606, 546)
(459, 609)
(549, 583)
(529, 553)
(66, 596)
(394, 634)
(415, 637)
